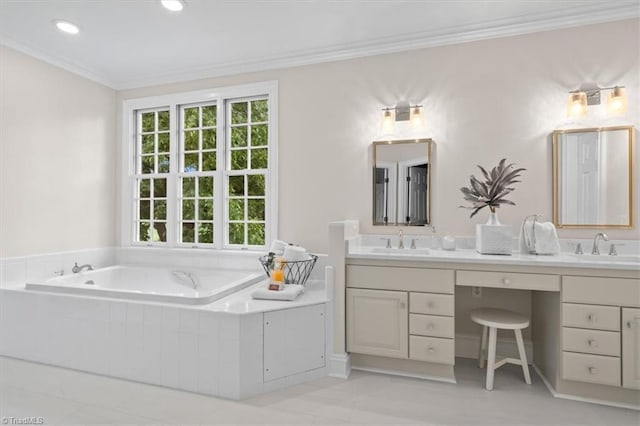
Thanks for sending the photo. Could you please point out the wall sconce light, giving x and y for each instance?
(402, 112)
(580, 99)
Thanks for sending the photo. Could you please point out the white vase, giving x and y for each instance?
(494, 237)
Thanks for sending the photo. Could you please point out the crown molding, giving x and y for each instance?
(568, 18)
(58, 62)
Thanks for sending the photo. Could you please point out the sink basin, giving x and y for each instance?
(404, 251)
(604, 258)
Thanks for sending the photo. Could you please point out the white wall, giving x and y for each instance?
(57, 159)
(483, 101)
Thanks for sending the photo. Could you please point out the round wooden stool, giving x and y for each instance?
(491, 320)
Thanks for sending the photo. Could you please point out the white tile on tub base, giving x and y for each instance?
(170, 356)
(188, 364)
(207, 364)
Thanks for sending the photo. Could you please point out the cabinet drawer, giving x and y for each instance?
(601, 291)
(430, 325)
(591, 316)
(508, 280)
(591, 341)
(604, 370)
(407, 279)
(431, 349)
(432, 304)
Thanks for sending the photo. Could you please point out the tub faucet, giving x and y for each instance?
(400, 240)
(77, 268)
(600, 235)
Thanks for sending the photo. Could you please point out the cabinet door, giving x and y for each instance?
(378, 322)
(631, 348)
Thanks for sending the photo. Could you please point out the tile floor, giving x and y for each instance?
(66, 397)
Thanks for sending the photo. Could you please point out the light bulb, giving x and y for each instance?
(388, 121)
(617, 101)
(577, 105)
(66, 26)
(417, 120)
(173, 5)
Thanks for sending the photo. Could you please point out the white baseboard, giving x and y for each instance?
(339, 365)
(406, 374)
(467, 346)
(579, 398)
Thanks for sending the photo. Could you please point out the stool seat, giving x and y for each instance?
(499, 318)
(492, 319)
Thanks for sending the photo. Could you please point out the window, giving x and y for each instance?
(199, 169)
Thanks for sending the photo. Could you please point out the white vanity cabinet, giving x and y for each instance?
(600, 331)
(631, 348)
(401, 312)
(377, 322)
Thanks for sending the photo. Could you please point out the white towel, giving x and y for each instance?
(546, 238)
(277, 247)
(295, 253)
(290, 292)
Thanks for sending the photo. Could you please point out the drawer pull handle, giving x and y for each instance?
(430, 304)
(506, 281)
(592, 370)
(592, 317)
(431, 349)
(430, 327)
(402, 305)
(593, 343)
(629, 325)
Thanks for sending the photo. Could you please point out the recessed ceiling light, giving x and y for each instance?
(66, 26)
(173, 5)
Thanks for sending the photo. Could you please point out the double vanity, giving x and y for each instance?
(399, 313)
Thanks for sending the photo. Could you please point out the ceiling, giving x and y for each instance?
(135, 43)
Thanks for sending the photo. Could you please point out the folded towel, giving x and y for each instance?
(290, 292)
(545, 241)
(295, 253)
(277, 247)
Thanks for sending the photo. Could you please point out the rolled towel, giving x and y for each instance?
(290, 292)
(277, 247)
(295, 253)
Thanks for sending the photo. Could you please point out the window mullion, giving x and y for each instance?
(221, 188)
(172, 184)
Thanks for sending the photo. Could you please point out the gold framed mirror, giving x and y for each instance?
(593, 177)
(402, 182)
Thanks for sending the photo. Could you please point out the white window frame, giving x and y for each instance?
(173, 101)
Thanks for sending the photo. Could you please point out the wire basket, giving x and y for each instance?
(295, 272)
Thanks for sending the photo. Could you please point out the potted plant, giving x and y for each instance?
(492, 237)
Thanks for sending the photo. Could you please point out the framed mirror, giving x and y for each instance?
(402, 182)
(593, 177)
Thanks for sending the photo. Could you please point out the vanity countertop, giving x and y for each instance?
(622, 262)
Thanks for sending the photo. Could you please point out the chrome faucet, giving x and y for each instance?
(600, 235)
(77, 268)
(400, 240)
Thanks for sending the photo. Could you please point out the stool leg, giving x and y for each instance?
(493, 334)
(523, 356)
(482, 356)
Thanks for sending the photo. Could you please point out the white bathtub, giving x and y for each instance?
(173, 285)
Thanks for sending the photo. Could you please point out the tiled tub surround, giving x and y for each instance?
(233, 348)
